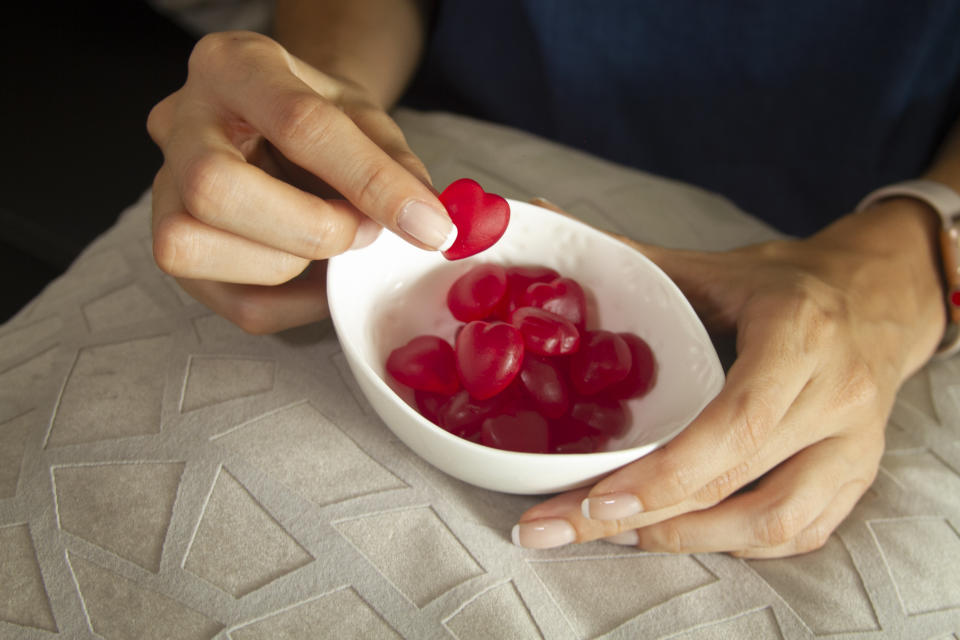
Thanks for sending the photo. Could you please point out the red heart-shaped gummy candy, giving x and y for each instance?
(572, 436)
(563, 296)
(481, 218)
(426, 363)
(609, 417)
(545, 385)
(643, 370)
(429, 404)
(520, 430)
(475, 294)
(489, 356)
(545, 333)
(602, 359)
(463, 416)
(521, 277)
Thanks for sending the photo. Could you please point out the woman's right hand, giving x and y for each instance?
(270, 165)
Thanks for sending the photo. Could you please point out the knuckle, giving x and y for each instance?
(252, 316)
(202, 182)
(753, 420)
(675, 482)
(812, 538)
(818, 311)
(216, 52)
(779, 525)
(158, 125)
(375, 183)
(174, 246)
(858, 386)
(327, 238)
(209, 51)
(723, 485)
(669, 538)
(305, 119)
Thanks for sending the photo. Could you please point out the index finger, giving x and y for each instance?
(311, 131)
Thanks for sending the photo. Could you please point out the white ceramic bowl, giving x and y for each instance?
(389, 292)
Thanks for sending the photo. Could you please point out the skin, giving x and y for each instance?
(272, 165)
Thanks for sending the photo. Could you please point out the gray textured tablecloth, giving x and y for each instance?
(163, 475)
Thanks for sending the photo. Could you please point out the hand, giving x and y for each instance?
(826, 329)
(269, 165)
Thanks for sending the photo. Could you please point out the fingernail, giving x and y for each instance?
(543, 534)
(611, 506)
(428, 225)
(627, 538)
(368, 231)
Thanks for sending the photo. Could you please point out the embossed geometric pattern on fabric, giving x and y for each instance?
(754, 624)
(923, 474)
(213, 380)
(17, 382)
(827, 575)
(123, 508)
(341, 614)
(125, 306)
(164, 474)
(302, 449)
(238, 546)
(922, 555)
(599, 594)
(13, 443)
(393, 543)
(496, 614)
(113, 391)
(119, 609)
(23, 597)
(16, 344)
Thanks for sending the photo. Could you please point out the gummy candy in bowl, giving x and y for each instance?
(386, 294)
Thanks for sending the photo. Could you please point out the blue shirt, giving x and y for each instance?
(794, 110)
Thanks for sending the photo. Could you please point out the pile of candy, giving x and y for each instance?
(525, 373)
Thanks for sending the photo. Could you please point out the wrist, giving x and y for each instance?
(944, 203)
(896, 244)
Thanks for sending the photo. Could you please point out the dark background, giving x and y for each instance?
(78, 82)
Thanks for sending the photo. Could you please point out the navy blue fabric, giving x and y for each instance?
(792, 109)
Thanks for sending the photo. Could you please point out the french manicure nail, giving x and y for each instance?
(428, 225)
(611, 506)
(543, 534)
(629, 538)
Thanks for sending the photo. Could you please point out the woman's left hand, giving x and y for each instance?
(827, 329)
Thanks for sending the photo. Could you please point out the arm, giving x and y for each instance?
(375, 44)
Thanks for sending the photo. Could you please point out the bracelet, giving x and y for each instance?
(946, 202)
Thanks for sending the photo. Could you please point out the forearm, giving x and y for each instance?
(373, 43)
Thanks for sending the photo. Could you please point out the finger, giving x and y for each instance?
(260, 309)
(386, 134)
(184, 247)
(314, 133)
(220, 188)
(560, 521)
(818, 532)
(786, 502)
